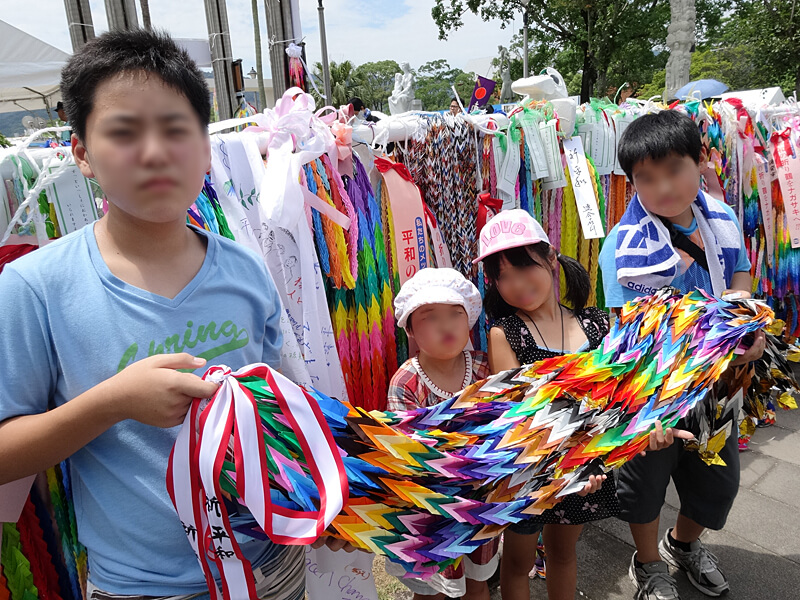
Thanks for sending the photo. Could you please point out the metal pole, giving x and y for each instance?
(262, 95)
(326, 73)
(219, 39)
(277, 51)
(525, 43)
(121, 15)
(79, 21)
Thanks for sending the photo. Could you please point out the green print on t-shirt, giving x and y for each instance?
(235, 338)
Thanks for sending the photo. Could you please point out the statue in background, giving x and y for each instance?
(506, 93)
(681, 40)
(403, 93)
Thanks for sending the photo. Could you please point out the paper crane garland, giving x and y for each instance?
(430, 485)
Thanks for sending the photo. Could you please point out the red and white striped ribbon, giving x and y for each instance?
(196, 462)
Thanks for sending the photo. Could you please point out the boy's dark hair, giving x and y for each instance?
(59, 105)
(576, 277)
(357, 103)
(118, 52)
(656, 136)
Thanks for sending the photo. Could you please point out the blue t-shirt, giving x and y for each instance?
(688, 279)
(69, 324)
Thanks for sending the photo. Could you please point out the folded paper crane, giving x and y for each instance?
(427, 486)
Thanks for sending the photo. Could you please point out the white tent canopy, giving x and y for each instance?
(30, 70)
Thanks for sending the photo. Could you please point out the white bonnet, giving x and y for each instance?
(437, 286)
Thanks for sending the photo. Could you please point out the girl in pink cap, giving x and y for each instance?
(530, 325)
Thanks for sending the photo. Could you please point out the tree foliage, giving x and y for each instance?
(595, 37)
(376, 82)
(602, 43)
(434, 79)
(769, 31)
(373, 82)
(744, 51)
(344, 83)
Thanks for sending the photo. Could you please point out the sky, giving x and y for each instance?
(357, 30)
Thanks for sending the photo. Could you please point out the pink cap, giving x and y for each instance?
(509, 229)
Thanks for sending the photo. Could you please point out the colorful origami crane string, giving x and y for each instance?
(430, 485)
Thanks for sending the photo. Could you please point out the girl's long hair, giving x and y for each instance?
(536, 255)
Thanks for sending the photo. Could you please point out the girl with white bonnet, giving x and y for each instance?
(438, 308)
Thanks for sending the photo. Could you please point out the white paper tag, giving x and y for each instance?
(498, 154)
(584, 191)
(621, 123)
(556, 179)
(507, 178)
(5, 211)
(604, 147)
(765, 200)
(533, 140)
(586, 133)
(339, 575)
(499, 164)
(71, 194)
(773, 170)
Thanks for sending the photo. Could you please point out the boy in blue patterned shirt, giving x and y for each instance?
(672, 233)
(105, 330)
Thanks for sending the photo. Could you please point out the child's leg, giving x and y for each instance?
(434, 597)
(519, 556)
(479, 566)
(706, 492)
(641, 488)
(476, 590)
(686, 530)
(645, 536)
(562, 561)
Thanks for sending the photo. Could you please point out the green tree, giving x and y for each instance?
(771, 30)
(654, 88)
(542, 52)
(594, 33)
(376, 82)
(344, 83)
(732, 65)
(434, 79)
(607, 42)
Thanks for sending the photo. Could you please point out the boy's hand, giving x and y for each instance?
(153, 392)
(595, 483)
(661, 438)
(736, 295)
(754, 352)
(333, 543)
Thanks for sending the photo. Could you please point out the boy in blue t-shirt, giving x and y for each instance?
(105, 331)
(674, 234)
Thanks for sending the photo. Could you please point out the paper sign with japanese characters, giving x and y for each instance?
(765, 200)
(72, 196)
(787, 163)
(584, 190)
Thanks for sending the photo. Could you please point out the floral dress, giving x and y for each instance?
(410, 389)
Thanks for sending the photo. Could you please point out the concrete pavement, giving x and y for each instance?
(759, 549)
